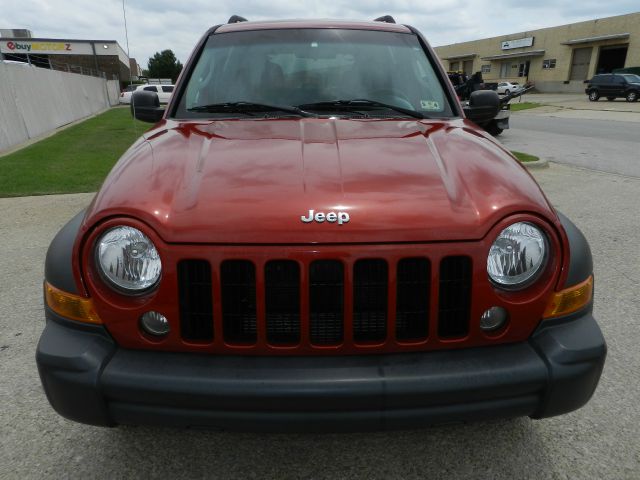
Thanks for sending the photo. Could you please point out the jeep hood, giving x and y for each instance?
(240, 181)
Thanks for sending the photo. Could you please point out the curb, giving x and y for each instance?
(542, 163)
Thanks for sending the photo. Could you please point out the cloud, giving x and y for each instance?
(160, 24)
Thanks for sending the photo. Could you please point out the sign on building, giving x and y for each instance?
(518, 43)
(47, 48)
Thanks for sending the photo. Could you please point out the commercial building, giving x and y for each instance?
(556, 59)
(89, 57)
(135, 68)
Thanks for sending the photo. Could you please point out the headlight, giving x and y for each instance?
(128, 259)
(517, 256)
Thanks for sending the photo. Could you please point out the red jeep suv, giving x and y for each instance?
(315, 235)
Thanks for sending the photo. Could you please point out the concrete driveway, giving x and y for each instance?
(570, 129)
(580, 101)
(600, 441)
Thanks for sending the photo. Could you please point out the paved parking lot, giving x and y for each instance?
(609, 145)
(600, 441)
(580, 101)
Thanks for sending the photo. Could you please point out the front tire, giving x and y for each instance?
(632, 96)
(594, 96)
(507, 92)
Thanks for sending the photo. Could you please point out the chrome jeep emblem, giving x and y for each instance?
(321, 217)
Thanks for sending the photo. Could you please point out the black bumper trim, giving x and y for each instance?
(321, 421)
(89, 379)
(580, 260)
(58, 265)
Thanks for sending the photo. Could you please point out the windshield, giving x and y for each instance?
(303, 67)
(631, 78)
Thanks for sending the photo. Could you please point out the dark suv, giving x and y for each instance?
(612, 86)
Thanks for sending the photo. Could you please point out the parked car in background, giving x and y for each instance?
(634, 70)
(463, 89)
(125, 95)
(612, 86)
(506, 88)
(164, 92)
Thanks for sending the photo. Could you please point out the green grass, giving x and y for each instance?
(525, 157)
(78, 159)
(516, 107)
(73, 160)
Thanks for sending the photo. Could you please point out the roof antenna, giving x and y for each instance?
(385, 19)
(237, 19)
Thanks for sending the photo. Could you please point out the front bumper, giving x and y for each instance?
(89, 379)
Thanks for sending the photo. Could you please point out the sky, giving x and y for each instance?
(155, 25)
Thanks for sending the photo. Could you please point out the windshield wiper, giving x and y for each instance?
(249, 108)
(359, 103)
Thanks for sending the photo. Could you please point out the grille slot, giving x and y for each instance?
(455, 297)
(326, 302)
(282, 301)
(238, 279)
(370, 291)
(195, 299)
(275, 297)
(412, 300)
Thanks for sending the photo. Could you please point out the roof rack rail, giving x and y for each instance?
(386, 19)
(237, 19)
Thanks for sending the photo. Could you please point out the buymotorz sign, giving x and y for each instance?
(44, 47)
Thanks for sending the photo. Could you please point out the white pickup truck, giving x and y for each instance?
(164, 92)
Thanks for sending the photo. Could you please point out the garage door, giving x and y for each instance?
(580, 63)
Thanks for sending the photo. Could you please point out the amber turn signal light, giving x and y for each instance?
(70, 306)
(570, 300)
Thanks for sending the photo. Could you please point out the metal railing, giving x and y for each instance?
(43, 61)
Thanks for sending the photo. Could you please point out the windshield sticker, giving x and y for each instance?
(430, 105)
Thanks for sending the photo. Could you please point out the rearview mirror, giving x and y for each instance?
(145, 106)
(483, 106)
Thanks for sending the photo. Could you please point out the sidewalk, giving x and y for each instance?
(576, 105)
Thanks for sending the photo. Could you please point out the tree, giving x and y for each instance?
(164, 64)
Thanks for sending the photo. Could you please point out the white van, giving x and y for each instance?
(164, 92)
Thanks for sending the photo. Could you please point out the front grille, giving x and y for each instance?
(195, 299)
(412, 299)
(282, 301)
(455, 297)
(238, 278)
(325, 303)
(370, 284)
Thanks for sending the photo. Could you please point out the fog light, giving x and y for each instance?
(494, 319)
(155, 324)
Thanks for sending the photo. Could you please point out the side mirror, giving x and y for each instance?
(483, 106)
(145, 106)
